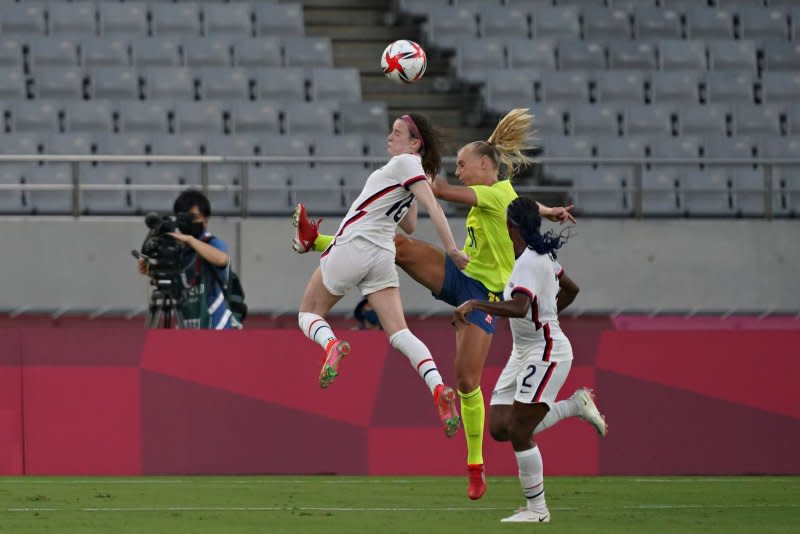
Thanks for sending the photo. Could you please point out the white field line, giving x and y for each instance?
(781, 479)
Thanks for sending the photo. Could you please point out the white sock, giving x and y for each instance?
(531, 478)
(558, 412)
(419, 356)
(316, 329)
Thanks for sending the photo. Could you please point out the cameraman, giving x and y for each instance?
(203, 303)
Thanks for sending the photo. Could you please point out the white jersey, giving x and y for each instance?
(536, 275)
(382, 203)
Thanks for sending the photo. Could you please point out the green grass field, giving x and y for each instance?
(413, 505)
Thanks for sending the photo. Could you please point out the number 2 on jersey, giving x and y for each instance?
(532, 369)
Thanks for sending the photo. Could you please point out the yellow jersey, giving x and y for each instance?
(488, 244)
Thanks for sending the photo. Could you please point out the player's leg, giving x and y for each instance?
(579, 404)
(423, 262)
(388, 305)
(306, 234)
(499, 420)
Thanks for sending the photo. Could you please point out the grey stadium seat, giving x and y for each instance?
(336, 85)
(729, 88)
(10, 52)
(55, 201)
(782, 55)
(113, 200)
(35, 116)
(748, 196)
(606, 23)
(254, 118)
(11, 201)
(675, 87)
(793, 119)
(129, 18)
(566, 147)
(59, 82)
(228, 175)
(631, 55)
(631, 5)
(660, 192)
(648, 120)
(12, 83)
(652, 23)
(175, 19)
(308, 52)
(509, 22)
(177, 145)
(363, 117)
(267, 190)
(376, 147)
(682, 55)
(320, 191)
(91, 117)
(795, 14)
(281, 84)
(535, 54)
(685, 147)
(784, 177)
(507, 90)
(115, 83)
(761, 23)
(121, 144)
(223, 83)
(757, 120)
(53, 51)
(780, 87)
(257, 53)
(143, 116)
(548, 119)
(556, 22)
(167, 177)
(206, 51)
(352, 174)
(565, 87)
(704, 22)
(198, 117)
(71, 143)
(279, 19)
(594, 120)
(308, 118)
(169, 82)
(581, 55)
(104, 52)
(619, 87)
(156, 52)
(447, 25)
(284, 146)
(73, 18)
(22, 19)
(20, 144)
(476, 57)
(601, 192)
(706, 192)
(698, 119)
(732, 55)
(629, 147)
(234, 19)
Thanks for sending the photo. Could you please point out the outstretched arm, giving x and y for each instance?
(425, 197)
(460, 194)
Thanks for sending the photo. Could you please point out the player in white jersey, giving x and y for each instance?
(362, 255)
(524, 399)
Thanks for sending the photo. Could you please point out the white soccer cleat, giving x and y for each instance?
(524, 515)
(588, 410)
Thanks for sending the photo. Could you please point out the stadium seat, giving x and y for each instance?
(565, 87)
(228, 175)
(285, 146)
(175, 19)
(257, 53)
(729, 88)
(535, 54)
(177, 145)
(476, 57)
(22, 19)
(52, 51)
(601, 192)
(579, 3)
(352, 174)
(660, 192)
(169, 82)
(681, 55)
(793, 119)
(653, 23)
(114, 83)
(593, 120)
(57, 200)
(757, 120)
(761, 23)
(308, 118)
(104, 52)
(706, 192)
(795, 14)
(254, 118)
(35, 116)
(58, 82)
(69, 144)
(129, 18)
(10, 52)
(786, 187)
(629, 147)
(12, 83)
(336, 85)
(206, 52)
(781, 55)
(234, 19)
(364, 118)
(198, 117)
(695, 119)
(703, 22)
(566, 147)
(447, 25)
(509, 22)
(648, 120)
(308, 52)
(223, 83)
(732, 55)
(320, 191)
(93, 116)
(549, 120)
(581, 55)
(71, 18)
(685, 147)
(606, 24)
(281, 84)
(376, 147)
(12, 201)
(156, 52)
(619, 87)
(631, 5)
(279, 19)
(507, 90)
(154, 187)
(681, 87)
(747, 194)
(267, 190)
(780, 87)
(143, 116)
(631, 55)
(112, 201)
(556, 22)
(121, 145)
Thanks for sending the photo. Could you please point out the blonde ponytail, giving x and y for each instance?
(510, 138)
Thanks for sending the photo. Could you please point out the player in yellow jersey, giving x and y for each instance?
(485, 169)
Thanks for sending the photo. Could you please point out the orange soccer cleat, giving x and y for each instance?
(445, 399)
(305, 231)
(477, 481)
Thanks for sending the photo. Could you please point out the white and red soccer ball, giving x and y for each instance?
(404, 61)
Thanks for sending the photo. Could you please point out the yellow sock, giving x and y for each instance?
(322, 242)
(472, 414)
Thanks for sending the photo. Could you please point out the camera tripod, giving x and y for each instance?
(164, 309)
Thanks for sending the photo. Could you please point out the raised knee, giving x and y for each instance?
(498, 432)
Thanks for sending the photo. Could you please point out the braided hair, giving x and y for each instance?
(523, 213)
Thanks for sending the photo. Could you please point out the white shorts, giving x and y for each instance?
(531, 380)
(358, 263)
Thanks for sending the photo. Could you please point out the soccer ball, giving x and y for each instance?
(404, 61)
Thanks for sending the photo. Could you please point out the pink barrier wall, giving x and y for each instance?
(129, 401)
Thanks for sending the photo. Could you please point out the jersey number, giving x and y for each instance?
(525, 380)
(399, 208)
(473, 242)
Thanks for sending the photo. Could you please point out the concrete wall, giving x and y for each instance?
(52, 264)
